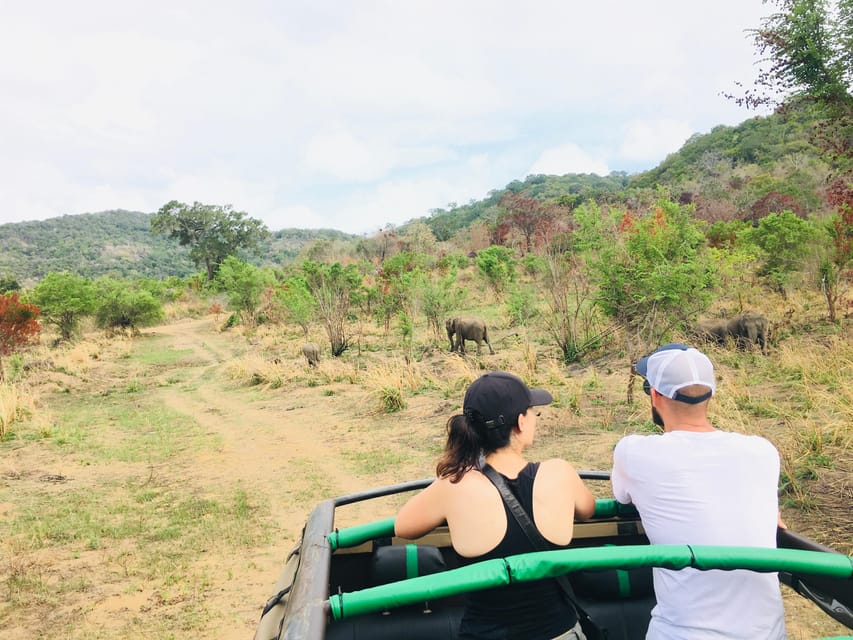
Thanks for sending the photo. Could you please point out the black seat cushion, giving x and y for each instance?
(392, 563)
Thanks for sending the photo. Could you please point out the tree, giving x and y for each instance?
(571, 319)
(335, 288)
(437, 295)
(64, 299)
(296, 300)
(9, 283)
(18, 325)
(653, 275)
(807, 55)
(808, 45)
(497, 265)
(528, 215)
(784, 241)
(243, 283)
(123, 306)
(212, 232)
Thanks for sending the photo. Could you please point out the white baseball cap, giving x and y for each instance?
(675, 366)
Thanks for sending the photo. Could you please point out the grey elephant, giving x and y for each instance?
(746, 329)
(467, 329)
(311, 351)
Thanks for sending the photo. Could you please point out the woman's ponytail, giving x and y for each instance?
(467, 438)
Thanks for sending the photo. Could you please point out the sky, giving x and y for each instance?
(349, 115)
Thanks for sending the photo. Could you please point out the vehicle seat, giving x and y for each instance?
(619, 600)
(420, 621)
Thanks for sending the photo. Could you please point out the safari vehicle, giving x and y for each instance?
(361, 582)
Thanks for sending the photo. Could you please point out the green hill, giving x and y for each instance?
(119, 243)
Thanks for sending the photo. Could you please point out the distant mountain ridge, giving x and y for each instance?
(118, 243)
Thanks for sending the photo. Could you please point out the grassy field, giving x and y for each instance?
(154, 486)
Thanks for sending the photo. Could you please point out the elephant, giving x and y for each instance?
(311, 350)
(467, 329)
(746, 329)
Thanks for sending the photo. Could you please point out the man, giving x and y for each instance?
(694, 484)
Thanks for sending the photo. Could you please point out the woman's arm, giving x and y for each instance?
(584, 500)
(423, 512)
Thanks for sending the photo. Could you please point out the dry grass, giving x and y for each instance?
(800, 396)
(16, 402)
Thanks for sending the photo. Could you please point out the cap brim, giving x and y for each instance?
(642, 365)
(538, 397)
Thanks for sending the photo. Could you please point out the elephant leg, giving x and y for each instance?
(486, 338)
(479, 344)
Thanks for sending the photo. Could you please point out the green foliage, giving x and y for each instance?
(534, 265)
(453, 260)
(437, 295)
(784, 241)
(654, 275)
(594, 227)
(243, 283)
(212, 232)
(418, 238)
(64, 299)
(497, 266)
(521, 306)
(572, 318)
(296, 301)
(90, 245)
(809, 46)
(727, 235)
(8, 283)
(123, 305)
(395, 282)
(391, 400)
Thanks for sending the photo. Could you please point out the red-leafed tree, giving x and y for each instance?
(531, 217)
(18, 325)
(774, 202)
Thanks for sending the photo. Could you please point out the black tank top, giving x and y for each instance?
(524, 610)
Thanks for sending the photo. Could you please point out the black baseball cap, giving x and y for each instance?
(497, 398)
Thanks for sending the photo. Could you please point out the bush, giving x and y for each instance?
(391, 400)
(121, 306)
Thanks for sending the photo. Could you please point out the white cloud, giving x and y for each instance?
(348, 114)
(649, 141)
(568, 158)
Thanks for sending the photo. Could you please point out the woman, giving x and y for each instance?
(499, 421)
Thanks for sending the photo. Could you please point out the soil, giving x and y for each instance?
(288, 448)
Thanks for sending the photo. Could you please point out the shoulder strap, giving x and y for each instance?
(536, 539)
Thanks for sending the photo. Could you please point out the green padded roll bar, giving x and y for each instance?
(354, 536)
(548, 564)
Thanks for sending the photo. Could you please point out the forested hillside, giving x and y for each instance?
(118, 243)
(763, 164)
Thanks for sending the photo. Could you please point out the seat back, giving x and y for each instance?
(420, 621)
(391, 563)
(619, 600)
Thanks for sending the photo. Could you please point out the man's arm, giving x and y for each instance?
(618, 475)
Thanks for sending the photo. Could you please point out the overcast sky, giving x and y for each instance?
(349, 115)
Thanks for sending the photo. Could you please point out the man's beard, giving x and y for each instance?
(656, 418)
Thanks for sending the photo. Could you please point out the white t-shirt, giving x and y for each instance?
(706, 488)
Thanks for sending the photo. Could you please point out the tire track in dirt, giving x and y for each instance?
(274, 448)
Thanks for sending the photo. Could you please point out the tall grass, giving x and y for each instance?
(15, 403)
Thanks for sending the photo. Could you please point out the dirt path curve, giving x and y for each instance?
(273, 446)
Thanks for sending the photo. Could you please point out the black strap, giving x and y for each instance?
(536, 539)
